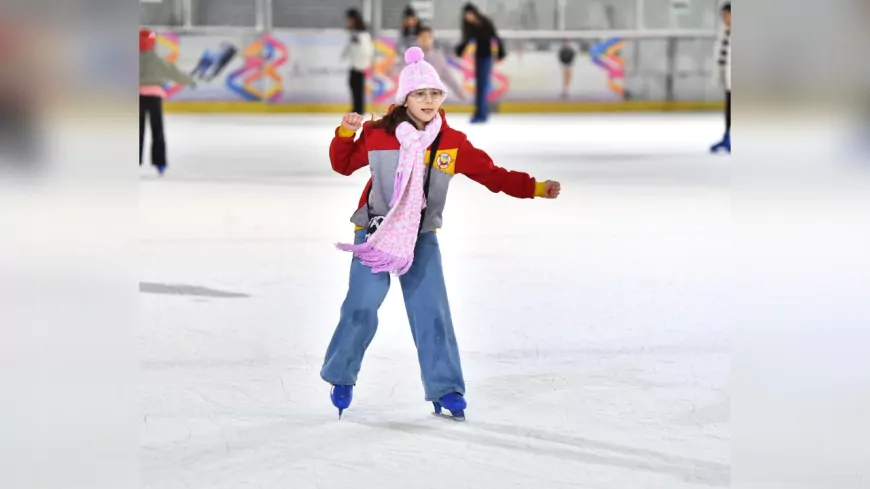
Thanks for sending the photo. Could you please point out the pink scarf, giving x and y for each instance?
(391, 247)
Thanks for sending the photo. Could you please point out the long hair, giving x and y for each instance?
(356, 19)
(396, 115)
(482, 20)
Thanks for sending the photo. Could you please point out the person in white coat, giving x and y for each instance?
(360, 50)
(723, 60)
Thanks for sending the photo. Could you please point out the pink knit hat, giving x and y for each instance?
(417, 74)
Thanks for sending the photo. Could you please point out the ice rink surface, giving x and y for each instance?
(594, 328)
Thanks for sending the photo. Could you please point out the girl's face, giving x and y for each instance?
(423, 104)
(425, 40)
(470, 17)
(726, 17)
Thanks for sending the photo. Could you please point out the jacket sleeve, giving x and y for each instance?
(347, 155)
(171, 72)
(718, 69)
(460, 48)
(368, 48)
(501, 52)
(478, 166)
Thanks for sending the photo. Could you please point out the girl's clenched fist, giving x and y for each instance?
(352, 121)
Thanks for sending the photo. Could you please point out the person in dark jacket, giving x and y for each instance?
(411, 26)
(566, 59)
(480, 28)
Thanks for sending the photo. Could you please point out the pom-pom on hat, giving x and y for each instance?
(417, 74)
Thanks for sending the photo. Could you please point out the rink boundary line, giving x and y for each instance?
(179, 107)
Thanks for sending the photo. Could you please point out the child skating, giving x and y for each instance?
(436, 58)
(154, 72)
(413, 155)
(724, 62)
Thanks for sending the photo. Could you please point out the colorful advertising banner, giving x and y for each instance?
(308, 68)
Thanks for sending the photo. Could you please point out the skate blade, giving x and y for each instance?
(447, 416)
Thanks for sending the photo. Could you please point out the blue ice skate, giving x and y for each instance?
(453, 402)
(725, 144)
(341, 396)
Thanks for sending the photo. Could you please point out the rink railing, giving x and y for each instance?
(455, 33)
(614, 70)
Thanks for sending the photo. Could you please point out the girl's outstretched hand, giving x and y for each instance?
(553, 189)
(352, 121)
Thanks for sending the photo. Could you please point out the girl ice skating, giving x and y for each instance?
(154, 72)
(361, 52)
(413, 154)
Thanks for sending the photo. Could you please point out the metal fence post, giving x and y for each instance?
(187, 13)
(377, 17)
(259, 14)
(640, 21)
(267, 28)
(672, 69)
(367, 12)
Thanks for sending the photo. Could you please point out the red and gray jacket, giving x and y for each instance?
(456, 156)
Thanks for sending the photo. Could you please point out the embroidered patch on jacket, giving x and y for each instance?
(445, 160)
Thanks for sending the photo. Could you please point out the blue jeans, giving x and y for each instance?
(482, 75)
(428, 312)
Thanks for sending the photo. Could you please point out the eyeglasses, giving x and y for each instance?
(421, 95)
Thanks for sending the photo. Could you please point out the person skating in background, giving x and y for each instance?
(566, 59)
(436, 58)
(480, 29)
(25, 82)
(399, 211)
(360, 50)
(723, 60)
(154, 73)
(411, 26)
